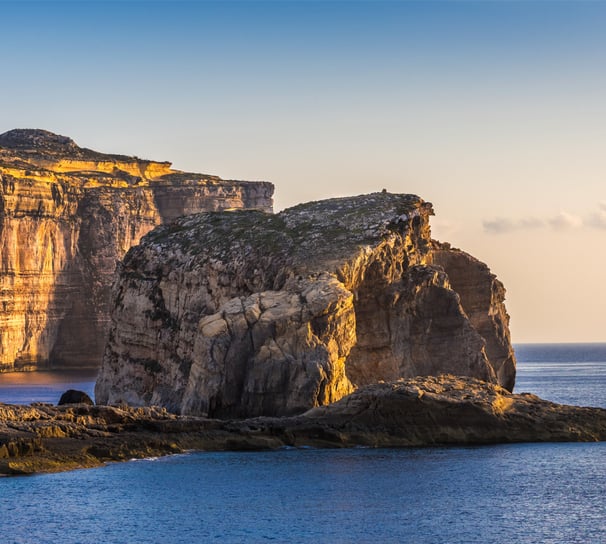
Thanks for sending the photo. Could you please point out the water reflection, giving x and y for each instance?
(44, 386)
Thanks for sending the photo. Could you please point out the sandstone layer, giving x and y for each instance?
(419, 412)
(67, 216)
(246, 313)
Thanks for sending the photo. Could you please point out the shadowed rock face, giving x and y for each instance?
(67, 215)
(246, 313)
(482, 298)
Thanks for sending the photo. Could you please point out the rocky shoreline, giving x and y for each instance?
(425, 411)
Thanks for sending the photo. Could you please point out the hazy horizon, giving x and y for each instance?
(492, 111)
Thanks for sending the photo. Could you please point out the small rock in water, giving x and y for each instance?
(73, 396)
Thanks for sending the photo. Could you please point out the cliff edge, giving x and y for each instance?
(67, 216)
(247, 313)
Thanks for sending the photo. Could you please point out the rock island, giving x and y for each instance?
(247, 313)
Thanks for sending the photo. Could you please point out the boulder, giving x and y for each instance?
(73, 396)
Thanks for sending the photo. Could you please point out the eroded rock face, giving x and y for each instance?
(246, 313)
(67, 215)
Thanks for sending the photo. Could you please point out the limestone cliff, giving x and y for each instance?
(67, 215)
(247, 313)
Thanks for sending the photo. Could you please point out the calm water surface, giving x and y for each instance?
(564, 373)
(44, 386)
(498, 494)
(523, 493)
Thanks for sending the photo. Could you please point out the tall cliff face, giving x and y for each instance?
(247, 313)
(67, 216)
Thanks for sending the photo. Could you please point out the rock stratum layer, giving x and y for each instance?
(67, 215)
(246, 313)
(420, 412)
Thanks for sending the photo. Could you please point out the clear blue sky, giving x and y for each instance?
(494, 111)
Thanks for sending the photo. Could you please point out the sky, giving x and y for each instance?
(494, 111)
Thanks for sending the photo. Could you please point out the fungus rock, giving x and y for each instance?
(245, 313)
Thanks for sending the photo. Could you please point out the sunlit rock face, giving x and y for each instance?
(67, 216)
(248, 313)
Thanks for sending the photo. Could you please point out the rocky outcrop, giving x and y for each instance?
(246, 313)
(420, 412)
(67, 215)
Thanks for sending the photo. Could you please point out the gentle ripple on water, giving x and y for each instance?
(513, 493)
(564, 373)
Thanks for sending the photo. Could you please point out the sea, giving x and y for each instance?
(515, 493)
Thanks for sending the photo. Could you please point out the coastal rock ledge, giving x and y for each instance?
(246, 313)
(425, 411)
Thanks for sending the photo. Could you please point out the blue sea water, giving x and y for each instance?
(44, 386)
(522, 493)
(498, 494)
(564, 373)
